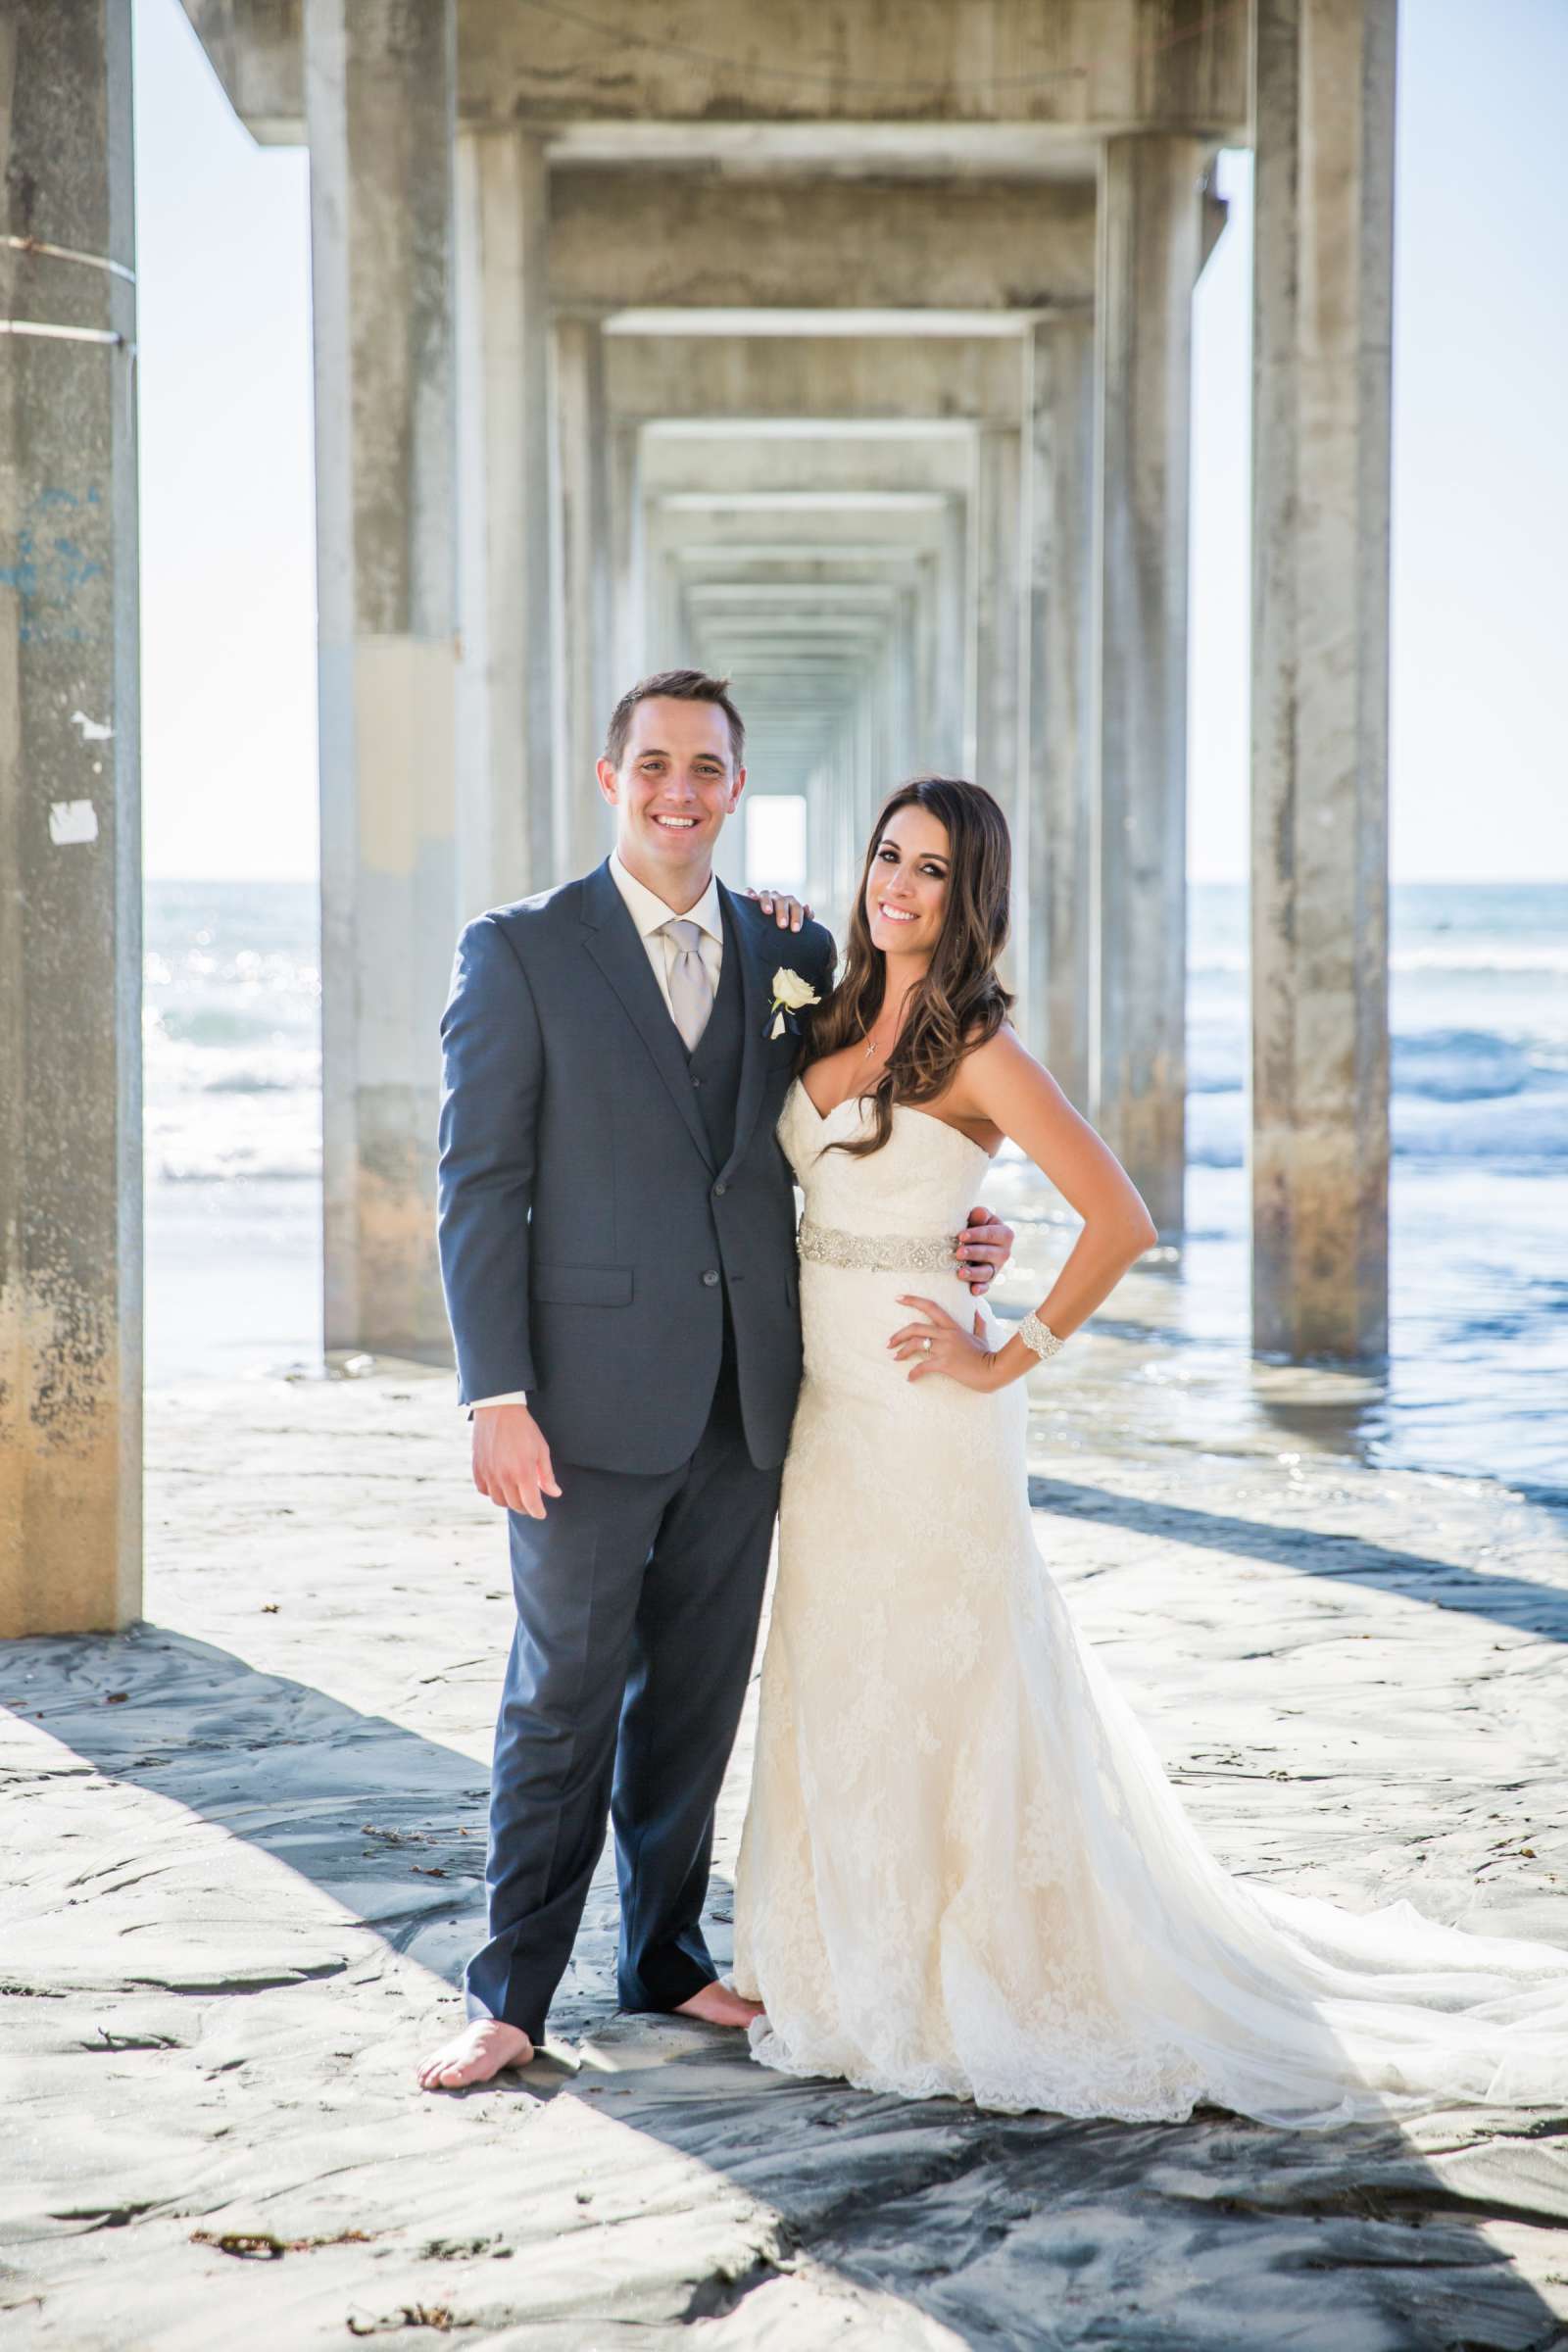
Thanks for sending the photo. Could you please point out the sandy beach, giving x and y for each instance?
(243, 1857)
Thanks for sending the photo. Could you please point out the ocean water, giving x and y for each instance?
(1477, 1380)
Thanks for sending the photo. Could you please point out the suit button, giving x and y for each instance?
(697, 1082)
(721, 1189)
(711, 1278)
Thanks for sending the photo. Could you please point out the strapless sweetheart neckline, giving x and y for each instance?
(906, 1110)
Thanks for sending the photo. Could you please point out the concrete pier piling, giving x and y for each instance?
(70, 829)
(1323, 323)
(1151, 191)
(1058, 744)
(506, 704)
(379, 94)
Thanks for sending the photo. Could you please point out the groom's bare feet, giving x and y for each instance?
(716, 2005)
(475, 2054)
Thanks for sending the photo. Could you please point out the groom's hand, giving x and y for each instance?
(984, 1249)
(510, 1459)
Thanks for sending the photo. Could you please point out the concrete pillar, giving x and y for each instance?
(1322, 328)
(998, 571)
(587, 591)
(1150, 250)
(378, 83)
(69, 831)
(506, 677)
(1059, 506)
(926, 684)
(628, 593)
(908, 734)
(953, 746)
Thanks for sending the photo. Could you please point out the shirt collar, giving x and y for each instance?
(648, 911)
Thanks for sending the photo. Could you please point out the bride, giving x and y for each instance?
(963, 1870)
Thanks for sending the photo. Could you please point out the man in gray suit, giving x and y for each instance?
(618, 1246)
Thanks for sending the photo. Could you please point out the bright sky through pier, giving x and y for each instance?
(1480, 716)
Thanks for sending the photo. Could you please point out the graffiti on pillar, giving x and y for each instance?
(48, 567)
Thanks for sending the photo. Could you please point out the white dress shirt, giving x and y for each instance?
(649, 912)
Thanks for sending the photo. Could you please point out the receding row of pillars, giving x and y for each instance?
(453, 523)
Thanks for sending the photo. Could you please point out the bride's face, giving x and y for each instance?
(907, 888)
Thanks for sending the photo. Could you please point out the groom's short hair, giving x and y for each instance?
(678, 686)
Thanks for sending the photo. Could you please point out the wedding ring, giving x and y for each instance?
(925, 1346)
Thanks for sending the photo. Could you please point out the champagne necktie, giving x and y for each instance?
(691, 992)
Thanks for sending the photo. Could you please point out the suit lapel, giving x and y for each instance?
(613, 940)
(756, 993)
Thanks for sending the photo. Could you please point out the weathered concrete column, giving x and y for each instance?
(380, 109)
(507, 678)
(1057, 874)
(69, 831)
(628, 592)
(955, 742)
(1322, 330)
(1151, 225)
(997, 572)
(587, 593)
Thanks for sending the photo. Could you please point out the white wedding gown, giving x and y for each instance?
(963, 1870)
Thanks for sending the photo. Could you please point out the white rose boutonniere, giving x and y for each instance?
(791, 997)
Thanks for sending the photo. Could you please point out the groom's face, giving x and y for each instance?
(676, 783)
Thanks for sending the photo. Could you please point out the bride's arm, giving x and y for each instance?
(1003, 1084)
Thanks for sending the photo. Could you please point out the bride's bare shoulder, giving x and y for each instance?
(1002, 1055)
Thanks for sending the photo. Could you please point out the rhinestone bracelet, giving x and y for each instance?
(1041, 1338)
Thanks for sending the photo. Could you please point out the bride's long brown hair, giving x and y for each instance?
(958, 1002)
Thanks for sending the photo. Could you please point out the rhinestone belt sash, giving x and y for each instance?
(877, 1253)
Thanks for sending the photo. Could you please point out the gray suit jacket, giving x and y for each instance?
(588, 1242)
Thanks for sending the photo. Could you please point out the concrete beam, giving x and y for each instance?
(722, 469)
(834, 377)
(380, 98)
(802, 528)
(69, 831)
(1322, 313)
(1024, 87)
(1150, 226)
(1058, 67)
(625, 238)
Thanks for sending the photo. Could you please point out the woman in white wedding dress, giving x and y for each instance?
(963, 1870)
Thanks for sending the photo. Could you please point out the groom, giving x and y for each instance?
(618, 1246)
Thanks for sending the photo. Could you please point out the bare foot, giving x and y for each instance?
(475, 2054)
(716, 2005)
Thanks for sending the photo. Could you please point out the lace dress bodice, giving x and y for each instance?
(925, 1181)
(888, 1222)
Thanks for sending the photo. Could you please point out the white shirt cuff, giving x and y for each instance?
(511, 1396)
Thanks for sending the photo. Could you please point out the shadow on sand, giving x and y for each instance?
(1513, 1601)
(1014, 2231)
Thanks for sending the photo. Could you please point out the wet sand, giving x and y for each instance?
(243, 1848)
